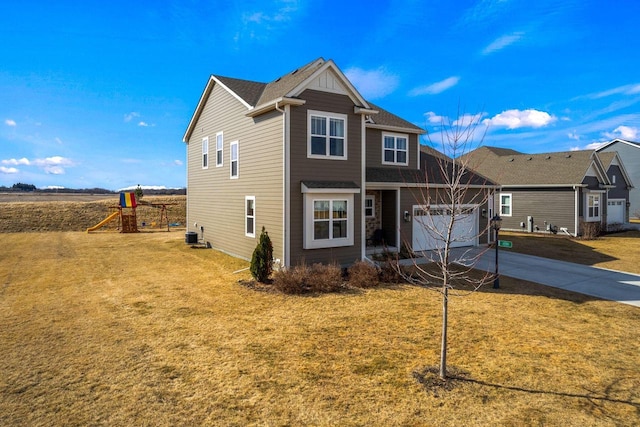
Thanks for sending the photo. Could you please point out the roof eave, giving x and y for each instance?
(416, 131)
(274, 105)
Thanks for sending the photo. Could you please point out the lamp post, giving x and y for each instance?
(495, 224)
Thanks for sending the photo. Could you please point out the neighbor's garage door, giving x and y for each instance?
(615, 211)
(464, 233)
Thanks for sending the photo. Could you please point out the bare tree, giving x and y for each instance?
(449, 200)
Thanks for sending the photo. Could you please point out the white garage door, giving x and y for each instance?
(429, 228)
(615, 211)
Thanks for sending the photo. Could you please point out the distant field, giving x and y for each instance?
(53, 197)
(26, 212)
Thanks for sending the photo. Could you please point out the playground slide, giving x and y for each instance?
(104, 221)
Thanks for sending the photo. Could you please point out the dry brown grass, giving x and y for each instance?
(617, 251)
(140, 329)
(78, 212)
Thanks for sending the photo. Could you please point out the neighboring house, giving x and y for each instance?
(630, 152)
(306, 156)
(556, 192)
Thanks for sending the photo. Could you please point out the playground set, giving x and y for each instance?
(126, 214)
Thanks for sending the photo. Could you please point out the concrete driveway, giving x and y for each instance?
(598, 282)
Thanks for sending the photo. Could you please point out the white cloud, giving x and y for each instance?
(16, 162)
(630, 89)
(593, 145)
(502, 42)
(53, 161)
(467, 120)
(574, 135)
(130, 116)
(435, 88)
(143, 124)
(10, 122)
(627, 132)
(178, 162)
(514, 119)
(8, 170)
(434, 119)
(54, 170)
(58, 140)
(372, 84)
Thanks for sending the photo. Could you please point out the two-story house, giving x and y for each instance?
(308, 158)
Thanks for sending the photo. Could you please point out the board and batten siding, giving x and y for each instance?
(630, 156)
(306, 169)
(555, 206)
(217, 202)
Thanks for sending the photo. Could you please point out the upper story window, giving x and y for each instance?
(205, 152)
(234, 159)
(327, 135)
(219, 146)
(395, 149)
(505, 204)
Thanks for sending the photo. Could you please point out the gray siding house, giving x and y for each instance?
(630, 153)
(556, 192)
(328, 174)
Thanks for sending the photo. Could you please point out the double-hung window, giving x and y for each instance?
(395, 149)
(505, 204)
(327, 135)
(369, 207)
(593, 206)
(328, 219)
(234, 159)
(250, 216)
(219, 146)
(205, 152)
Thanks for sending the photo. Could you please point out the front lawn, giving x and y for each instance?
(140, 329)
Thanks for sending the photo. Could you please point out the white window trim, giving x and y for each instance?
(219, 149)
(510, 204)
(395, 137)
(373, 206)
(246, 216)
(588, 218)
(237, 160)
(308, 241)
(328, 116)
(205, 152)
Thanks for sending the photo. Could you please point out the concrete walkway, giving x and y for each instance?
(598, 282)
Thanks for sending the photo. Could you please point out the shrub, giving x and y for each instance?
(324, 278)
(291, 281)
(590, 230)
(363, 274)
(262, 258)
(389, 272)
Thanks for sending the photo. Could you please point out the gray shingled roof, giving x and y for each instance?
(256, 93)
(560, 168)
(430, 172)
(385, 118)
(249, 91)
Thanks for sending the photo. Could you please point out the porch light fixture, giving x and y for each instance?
(407, 216)
(495, 224)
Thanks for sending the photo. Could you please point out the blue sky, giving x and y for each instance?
(99, 94)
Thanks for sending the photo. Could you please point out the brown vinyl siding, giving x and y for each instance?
(374, 149)
(215, 201)
(555, 206)
(305, 169)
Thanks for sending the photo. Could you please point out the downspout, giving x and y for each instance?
(577, 210)
(363, 178)
(285, 187)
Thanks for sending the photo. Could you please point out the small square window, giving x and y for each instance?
(369, 207)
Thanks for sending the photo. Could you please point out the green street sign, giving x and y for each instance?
(505, 243)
